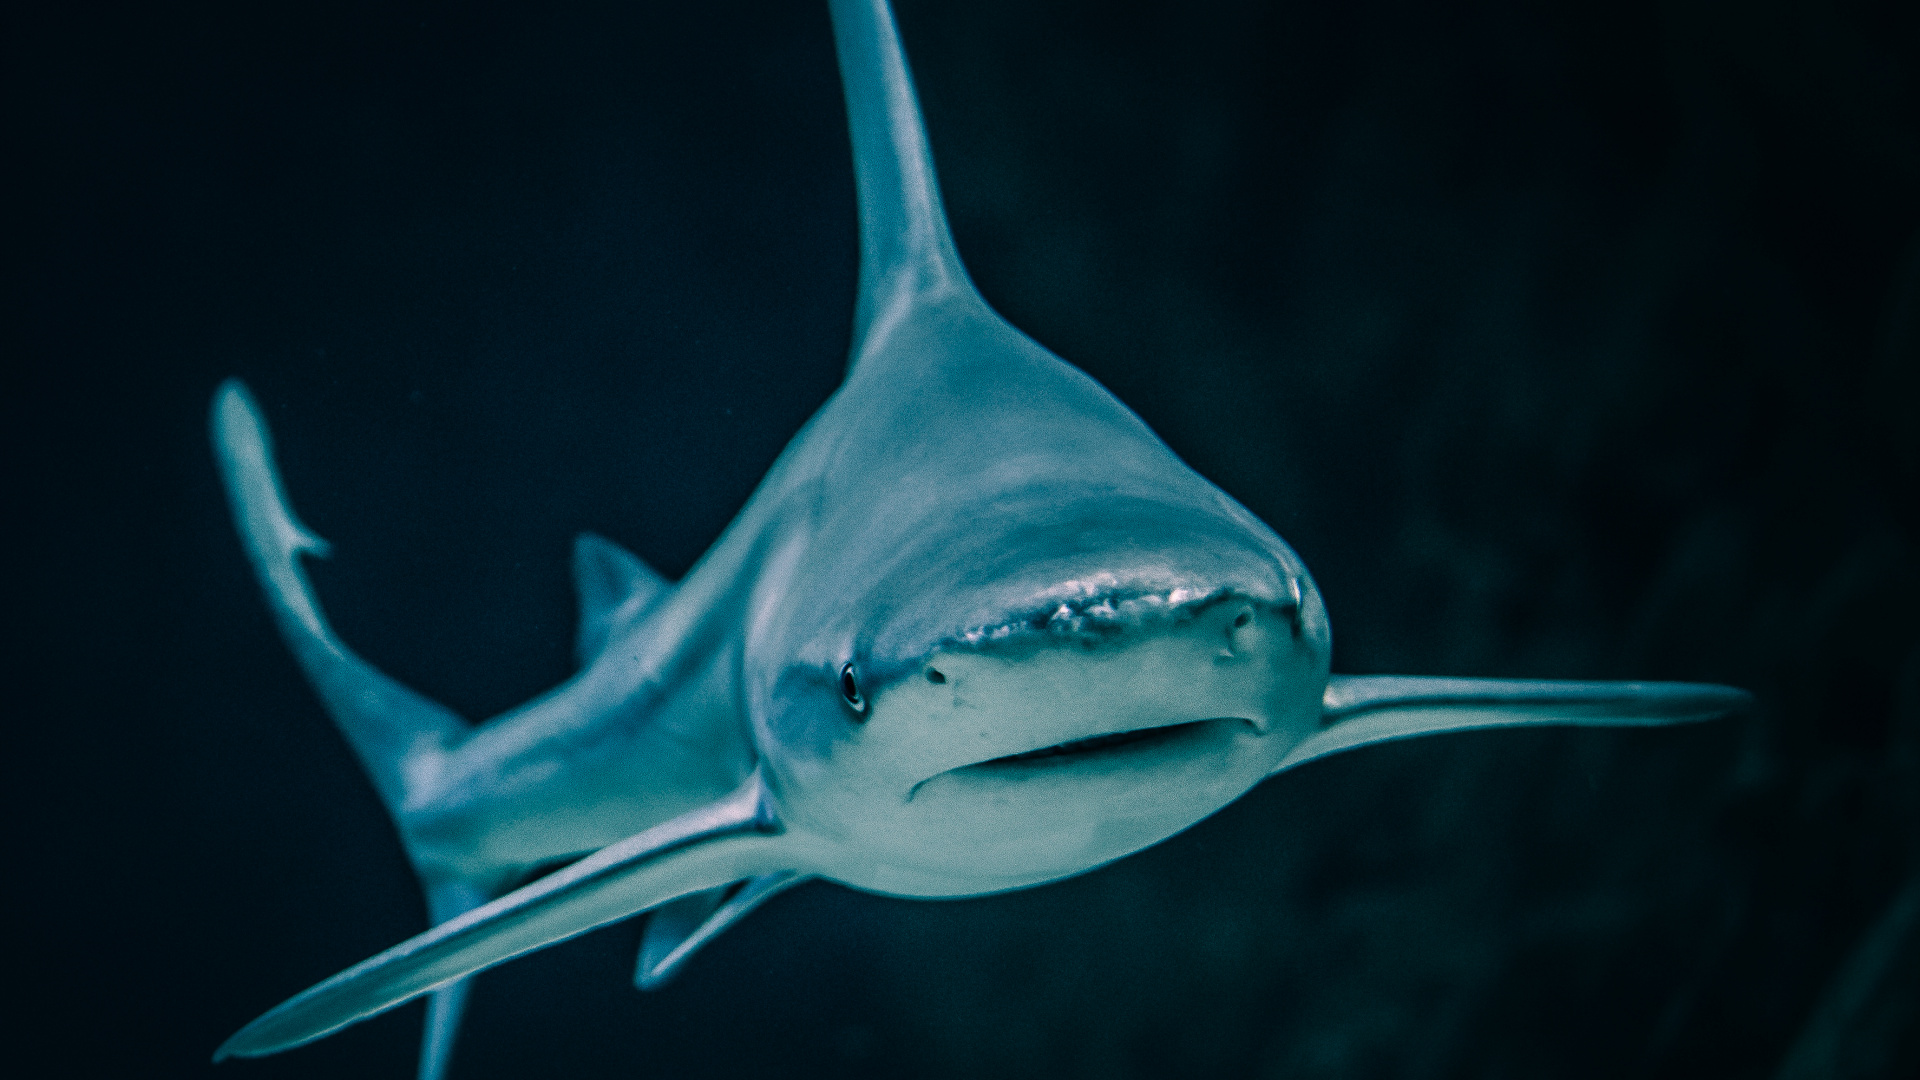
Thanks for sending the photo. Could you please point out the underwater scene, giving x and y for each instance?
(1571, 343)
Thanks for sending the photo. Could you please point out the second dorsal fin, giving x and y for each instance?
(613, 587)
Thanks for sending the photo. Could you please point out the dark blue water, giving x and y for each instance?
(1567, 343)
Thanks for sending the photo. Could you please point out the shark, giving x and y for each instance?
(978, 629)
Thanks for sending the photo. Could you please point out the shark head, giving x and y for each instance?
(974, 680)
(978, 629)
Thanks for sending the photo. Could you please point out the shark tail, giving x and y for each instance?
(402, 738)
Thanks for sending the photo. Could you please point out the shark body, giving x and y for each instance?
(978, 629)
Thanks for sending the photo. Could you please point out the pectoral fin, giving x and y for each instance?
(729, 840)
(1358, 710)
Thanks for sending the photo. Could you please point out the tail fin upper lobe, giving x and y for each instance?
(398, 735)
(401, 738)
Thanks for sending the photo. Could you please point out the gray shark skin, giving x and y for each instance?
(978, 629)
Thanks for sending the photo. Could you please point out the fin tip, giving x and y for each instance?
(232, 388)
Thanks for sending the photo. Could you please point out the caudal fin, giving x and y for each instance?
(401, 738)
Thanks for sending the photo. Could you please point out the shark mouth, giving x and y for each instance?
(1157, 741)
(1097, 742)
(1141, 749)
(1094, 611)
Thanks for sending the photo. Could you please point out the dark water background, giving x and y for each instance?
(1565, 341)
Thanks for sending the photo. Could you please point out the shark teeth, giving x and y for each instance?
(1099, 614)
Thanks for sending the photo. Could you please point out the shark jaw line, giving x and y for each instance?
(1102, 611)
(1195, 681)
(1140, 747)
(1091, 744)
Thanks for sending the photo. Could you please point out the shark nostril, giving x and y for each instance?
(934, 675)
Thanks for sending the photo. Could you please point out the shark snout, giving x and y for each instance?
(1097, 728)
(1108, 684)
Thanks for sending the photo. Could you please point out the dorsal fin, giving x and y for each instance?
(613, 587)
(906, 251)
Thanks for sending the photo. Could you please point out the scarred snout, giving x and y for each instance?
(1094, 726)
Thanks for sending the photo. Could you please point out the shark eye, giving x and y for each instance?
(850, 690)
